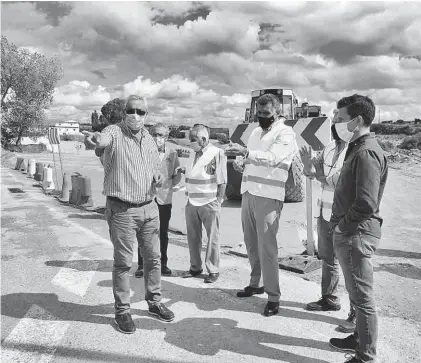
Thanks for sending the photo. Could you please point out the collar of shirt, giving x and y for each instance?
(280, 119)
(138, 136)
(359, 140)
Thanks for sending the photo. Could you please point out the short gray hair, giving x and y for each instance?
(200, 130)
(160, 125)
(132, 98)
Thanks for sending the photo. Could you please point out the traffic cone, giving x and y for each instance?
(24, 167)
(31, 168)
(74, 194)
(86, 193)
(19, 161)
(39, 174)
(65, 189)
(47, 182)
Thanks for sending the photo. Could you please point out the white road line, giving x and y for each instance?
(36, 328)
(73, 280)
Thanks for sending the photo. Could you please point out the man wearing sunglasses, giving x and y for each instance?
(326, 169)
(131, 175)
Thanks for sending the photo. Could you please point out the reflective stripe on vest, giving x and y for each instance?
(201, 188)
(260, 180)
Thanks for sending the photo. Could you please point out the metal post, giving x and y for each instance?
(55, 167)
(309, 212)
(61, 161)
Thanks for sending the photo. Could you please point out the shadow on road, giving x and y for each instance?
(208, 336)
(398, 253)
(83, 265)
(401, 269)
(204, 336)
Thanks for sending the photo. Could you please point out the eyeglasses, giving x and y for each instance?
(132, 111)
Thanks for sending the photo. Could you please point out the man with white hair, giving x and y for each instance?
(205, 189)
(131, 175)
(171, 172)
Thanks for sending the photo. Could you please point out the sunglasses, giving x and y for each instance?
(132, 111)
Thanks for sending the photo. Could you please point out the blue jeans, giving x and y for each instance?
(128, 226)
(354, 253)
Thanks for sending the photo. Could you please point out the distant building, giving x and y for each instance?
(68, 128)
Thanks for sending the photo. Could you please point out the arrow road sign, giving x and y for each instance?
(314, 132)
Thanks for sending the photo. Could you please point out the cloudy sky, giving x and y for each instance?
(199, 61)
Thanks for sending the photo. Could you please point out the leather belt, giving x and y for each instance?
(130, 205)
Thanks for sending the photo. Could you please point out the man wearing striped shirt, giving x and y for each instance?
(131, 175)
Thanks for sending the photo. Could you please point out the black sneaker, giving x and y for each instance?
(139, 272)
(348, 344)
(348, 326)
(250, 291)
(271, 308)
(125, 323)
(165, 271)
(161, 311)
(326, 303)
(212, 277)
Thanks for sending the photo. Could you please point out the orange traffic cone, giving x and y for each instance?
(31, 168)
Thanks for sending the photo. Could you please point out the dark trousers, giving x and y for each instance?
(164, 222)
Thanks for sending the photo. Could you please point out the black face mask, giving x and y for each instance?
(334, 133)
(265, 122)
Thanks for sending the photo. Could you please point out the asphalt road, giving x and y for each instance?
(57, 301)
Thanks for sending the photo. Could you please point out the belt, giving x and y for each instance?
(130, 205)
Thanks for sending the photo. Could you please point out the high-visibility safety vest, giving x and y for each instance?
(201, 187)
(267, 181)
(325, 201)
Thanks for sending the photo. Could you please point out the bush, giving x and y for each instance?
(222, 138)
(214, 131)
(177, 134)
(400, 122)
(386, 145)
(411, 142)
(67, 137)
(389, 129)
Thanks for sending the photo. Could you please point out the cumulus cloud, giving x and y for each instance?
(200, 60)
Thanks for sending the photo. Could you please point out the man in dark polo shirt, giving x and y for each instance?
(356, 221)
(131, 175)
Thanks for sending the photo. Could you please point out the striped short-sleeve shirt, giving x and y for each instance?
(130, 161)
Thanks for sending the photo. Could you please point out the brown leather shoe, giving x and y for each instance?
(250, 291)
(212, 277)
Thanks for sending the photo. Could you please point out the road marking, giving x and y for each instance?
(37, 328)
(74, 280)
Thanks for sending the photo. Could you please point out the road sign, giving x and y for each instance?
(312, 131)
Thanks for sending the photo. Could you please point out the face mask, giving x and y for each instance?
(135, 122)
(195, 146)
(160, 141)
(342, 129)
(265, 122)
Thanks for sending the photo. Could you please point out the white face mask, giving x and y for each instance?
(343, 129)
(160, 142)
(135, 122)
(195, 146)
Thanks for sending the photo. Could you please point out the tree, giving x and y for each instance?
(114, 111)
(94, 117)
(27, 88)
